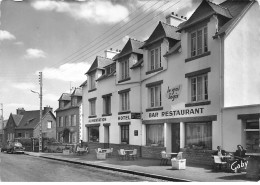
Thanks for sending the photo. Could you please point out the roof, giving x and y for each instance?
(77, 92)
(17, 118)
(137, 64)
(99, 63)
(163, 30)
(65, 96)
(132, 46)
(237, 9)
(30, 119)
(84, 83)
(104, 76)
(204, 11)
(173, 49)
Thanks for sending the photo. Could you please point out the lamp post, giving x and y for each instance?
(40, 96)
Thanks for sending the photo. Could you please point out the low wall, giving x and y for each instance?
(152, 152)
(197, 156)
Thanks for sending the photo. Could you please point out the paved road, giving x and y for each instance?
(24, 168)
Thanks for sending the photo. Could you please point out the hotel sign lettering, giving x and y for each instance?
(173, 93)
(176, 113)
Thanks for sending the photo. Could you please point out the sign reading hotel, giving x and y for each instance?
(173, 93)
(176, 113)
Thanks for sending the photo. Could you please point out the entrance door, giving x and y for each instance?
(175, 137)
(106, 136)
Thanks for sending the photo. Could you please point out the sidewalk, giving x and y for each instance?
(149, 167)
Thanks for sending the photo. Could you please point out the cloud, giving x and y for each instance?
(5, 35)
(93, 11)
(34, 53)
(19, 43)
(50, 97)
(23, 86)
(73, 72)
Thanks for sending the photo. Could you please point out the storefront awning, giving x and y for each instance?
(93, 125)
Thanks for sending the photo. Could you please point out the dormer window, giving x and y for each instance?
(124, 66)
(92, 81)
(110, 69)
(74, 101)
(61, 104)
(155, 59)
(199, 41)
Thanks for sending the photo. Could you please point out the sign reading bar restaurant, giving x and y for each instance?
(176, 113)
(95, 120)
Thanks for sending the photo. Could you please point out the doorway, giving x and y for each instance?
(106, 136)
(175, 137)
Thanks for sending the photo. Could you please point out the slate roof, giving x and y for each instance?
(65, 96)
(99, 63)
(132, 46)
(17, 118)
(104, 76)
(137, 64)
(163, 30)
(29, 120)
(77, 92)
(236, 8)
(174, 49)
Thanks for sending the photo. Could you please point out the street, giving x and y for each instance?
(24, 168)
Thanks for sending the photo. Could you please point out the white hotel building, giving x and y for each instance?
(191, 86)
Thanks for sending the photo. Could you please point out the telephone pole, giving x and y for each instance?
(40, 135)
(2, 118)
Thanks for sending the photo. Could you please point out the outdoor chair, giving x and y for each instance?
(109, 152)
(99, 150)
(164, 158)
(82, 150)
(121, 154)
(218, 164)
(133, 155)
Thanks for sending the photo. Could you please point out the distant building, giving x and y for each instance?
(69, 117)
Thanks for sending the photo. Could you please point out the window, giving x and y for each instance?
(73, 120)
(252, 131)
(155, 59)
(92, 81)
(125, 134)
(74, 101)
(155, 96)
(198, 135)
(155, 135)
(107, 105)
(124, 69)
(110, 69)
(124, 99)
(49, 124)
(27, 135)
(92, 107)
(61, 122)
(19, 134)
(93, 134)
(74, 137)
(66, 121)
(199, 42)
(60, 137)
(61, 104)
(199, 88)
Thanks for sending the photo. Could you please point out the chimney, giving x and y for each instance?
(110, 53)
(46, 109)
(174, 19)
(20, 111)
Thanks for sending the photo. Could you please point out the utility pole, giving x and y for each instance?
(2, 118)
(40, 136)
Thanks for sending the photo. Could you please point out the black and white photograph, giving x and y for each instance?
(130, 91)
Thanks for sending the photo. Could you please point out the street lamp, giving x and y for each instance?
(40, 96)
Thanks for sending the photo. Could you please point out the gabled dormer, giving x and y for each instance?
(76, 97)
(64, 100)
(162, 38)
(127, 58)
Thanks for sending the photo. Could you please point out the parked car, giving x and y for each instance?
(13, 147)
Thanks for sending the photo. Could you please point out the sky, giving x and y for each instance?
(62, 38)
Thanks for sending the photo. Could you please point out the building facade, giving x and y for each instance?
(178, 90)
(69, 117)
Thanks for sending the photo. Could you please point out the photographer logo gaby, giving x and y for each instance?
(235, 165)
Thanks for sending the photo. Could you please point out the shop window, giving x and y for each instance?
(155, 95)
(252, 135)
(124, 101)
(93, 134)
(49, 124)
(92, 107)
(199, 88)
(19, 135)
(92, 81)
(107, 105)
(199, 41)
(155, 135)
(155, 59)
(198, 135)
(125, 134)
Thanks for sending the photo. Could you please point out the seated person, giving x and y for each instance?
(219, 152)
(240, 156)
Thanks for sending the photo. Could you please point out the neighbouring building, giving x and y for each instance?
(191, 86)
(3, 124)
(69, 117)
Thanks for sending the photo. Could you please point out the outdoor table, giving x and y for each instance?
(104, 150)
(172, 154)
(253, 171)
(128, 152)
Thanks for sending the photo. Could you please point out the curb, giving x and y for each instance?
(167, 178)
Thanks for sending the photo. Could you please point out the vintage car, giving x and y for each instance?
(13, 147)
